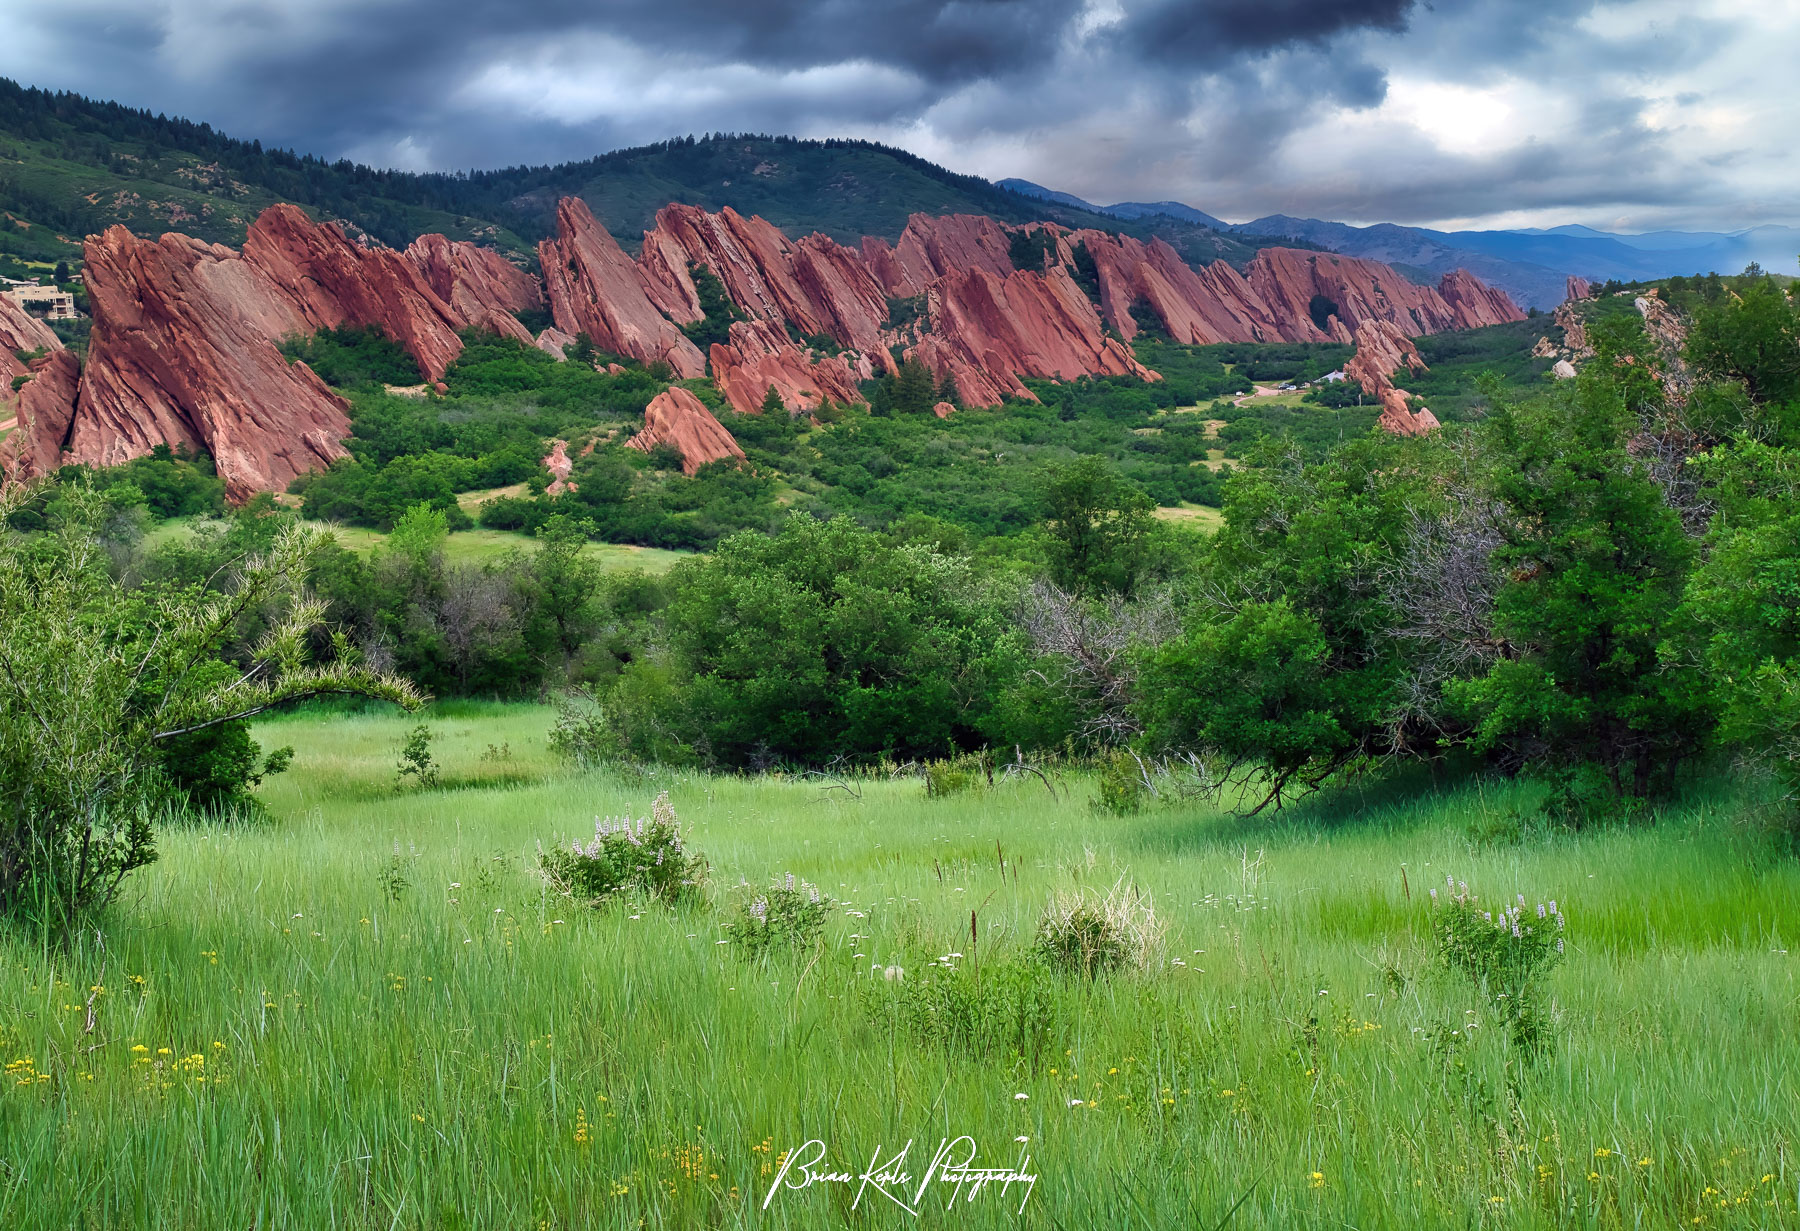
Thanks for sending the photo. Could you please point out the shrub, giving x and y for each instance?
(1122, 785)
(1090, 936)
(100, 683)
(954, 776)
(789, 916)
(416, 761)
(643, 857)
(1003, 1007)
(1506, 956)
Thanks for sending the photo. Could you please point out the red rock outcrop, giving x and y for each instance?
(676, 417)
(553, 340)
(1382, 350)
(932, 247)
(19, 331)
(1400, 419)
(594, 288)
(557, 463)
(183, 352)
(760, 357)
(43, 407)
(1201, 307)
(1287, 279)
(943, 410)
(989, 330)
(1475, 302)
(332, 282)
(481, 286)
(815, 284)
(1577, 288)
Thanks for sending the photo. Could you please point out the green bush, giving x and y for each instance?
(1506, 955)
(644, 858)
(788, 917)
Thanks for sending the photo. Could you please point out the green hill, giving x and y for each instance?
(70, 166)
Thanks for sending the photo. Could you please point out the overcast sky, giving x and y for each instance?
(1628, 116)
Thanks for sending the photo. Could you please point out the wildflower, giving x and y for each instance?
(1021, 1096)
(1316, 1179)
(790, 882)
(1074, 1102)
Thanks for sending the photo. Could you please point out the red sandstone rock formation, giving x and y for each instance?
(481, 286)
(1287, 279)
(331, 282)
(1397, 417)
(19, 331)
(183, 352)
(816, 284)
(594, 288)
(558, 464)
(1199, 307)
(1382, 350)
(1577, 288)
(943, 410)
(931, 247)
(760, 357)
(43, 407)
(1474, 302)
(676, 417)
(989, 330)
(553, 340)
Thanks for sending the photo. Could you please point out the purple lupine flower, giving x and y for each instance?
(790, 882)
(1540, 910)
(759, 909)
(1559, 948)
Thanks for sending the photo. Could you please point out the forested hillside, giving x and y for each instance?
(71, 165)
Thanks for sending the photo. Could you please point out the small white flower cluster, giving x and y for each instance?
(1511, 918)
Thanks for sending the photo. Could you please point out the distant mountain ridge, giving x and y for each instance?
(72, 166)
(1531, 263)
(1124, 209)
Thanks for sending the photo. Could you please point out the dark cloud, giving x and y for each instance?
(1212, 32)
(1241, 107)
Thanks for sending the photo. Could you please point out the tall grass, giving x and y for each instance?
(402, 1026)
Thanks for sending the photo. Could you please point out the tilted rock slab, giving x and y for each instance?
(185, 344)
(594, 288)
(676, 417)
(760, 357)
(931, 247)
(482, 287)
(815, 283)
(989, 330)
(183, 352)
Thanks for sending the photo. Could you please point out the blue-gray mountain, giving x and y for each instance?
(1531, 264)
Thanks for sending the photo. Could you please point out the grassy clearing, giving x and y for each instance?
(476, 546)
(401, 1027)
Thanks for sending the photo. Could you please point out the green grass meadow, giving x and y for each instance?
(370, 1011)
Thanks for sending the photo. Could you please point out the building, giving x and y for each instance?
(53, 302)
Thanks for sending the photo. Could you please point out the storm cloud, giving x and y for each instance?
(1636, 114)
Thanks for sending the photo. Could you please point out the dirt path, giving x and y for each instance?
(1258, 391)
